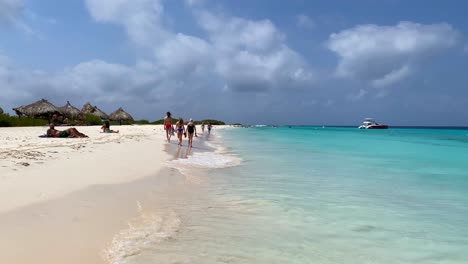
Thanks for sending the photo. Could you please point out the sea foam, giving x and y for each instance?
(143, 232)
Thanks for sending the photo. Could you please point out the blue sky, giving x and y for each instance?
(266, 61)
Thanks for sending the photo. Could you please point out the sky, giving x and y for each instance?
(295, 62)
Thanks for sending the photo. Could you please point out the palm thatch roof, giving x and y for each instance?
(87, 109)
(41, 108)
(69, 110)
(98, 112)
(19, 110)
(94, 110)
(120, 115)
(1, 111)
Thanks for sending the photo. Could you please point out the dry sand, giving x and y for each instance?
(63, 199)
(34, 169)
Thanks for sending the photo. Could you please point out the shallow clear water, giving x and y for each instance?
(326, 195)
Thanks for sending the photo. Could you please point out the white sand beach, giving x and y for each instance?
(63, 199)
(34, 169)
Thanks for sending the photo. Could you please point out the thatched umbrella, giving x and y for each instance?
(120, 115)
(69, 110)
(19, 110)
(41, 108)
(87, 109)
(98, 112)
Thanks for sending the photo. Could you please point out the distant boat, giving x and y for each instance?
(369, 123)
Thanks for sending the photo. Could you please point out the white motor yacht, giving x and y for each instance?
(369, 123)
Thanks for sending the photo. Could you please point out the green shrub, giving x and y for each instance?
(161, 121)
(15, 121)
(206, 121)
(92, 120)
(141, 122)
(212, 121)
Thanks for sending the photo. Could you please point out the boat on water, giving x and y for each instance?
(369, 123)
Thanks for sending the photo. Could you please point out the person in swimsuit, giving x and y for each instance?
(55, 119)
(191, 129)
(81, 119)
(209, 128)
(68, 133)
(203, 127)
(168, 126)
(180, 129)
(106, 128)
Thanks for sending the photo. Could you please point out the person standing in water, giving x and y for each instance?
(203, 127)
(168, 126)
(209, 128)
(191, 129)
(180, 129)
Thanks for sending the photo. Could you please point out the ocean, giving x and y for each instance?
(320, 195)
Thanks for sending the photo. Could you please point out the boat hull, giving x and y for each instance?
(377, 127)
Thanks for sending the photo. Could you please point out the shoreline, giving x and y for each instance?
(77, 216)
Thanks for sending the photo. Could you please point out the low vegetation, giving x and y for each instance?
(89, 120)
(14, 121)
(92, 120)
(197, 122)
(212, 121)
(141, 122)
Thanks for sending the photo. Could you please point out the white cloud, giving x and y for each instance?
(185, 54)
(105, 84)
(246, 55)
(140, 18)
(305, 21)
(9, 10)
(384, 55)
(238, 33)
(10, 13)
(355, 97)
(194, 2)
(393, 76)
(252, 55)
(234, 54)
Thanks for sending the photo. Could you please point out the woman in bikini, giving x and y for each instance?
(106, 128)
(180, 128)
(191, 129)
(168, 126)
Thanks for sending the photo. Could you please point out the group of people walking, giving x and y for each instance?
(182, 129)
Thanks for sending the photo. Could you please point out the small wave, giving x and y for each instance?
(143, 232)
(208, 160)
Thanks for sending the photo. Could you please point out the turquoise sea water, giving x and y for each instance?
(344, 195)
(323, 195)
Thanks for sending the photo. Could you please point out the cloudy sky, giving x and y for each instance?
(258, 62)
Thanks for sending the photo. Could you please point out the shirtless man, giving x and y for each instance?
(168, 126)
(68, 133)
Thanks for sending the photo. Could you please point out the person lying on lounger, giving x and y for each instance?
(68, 133)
